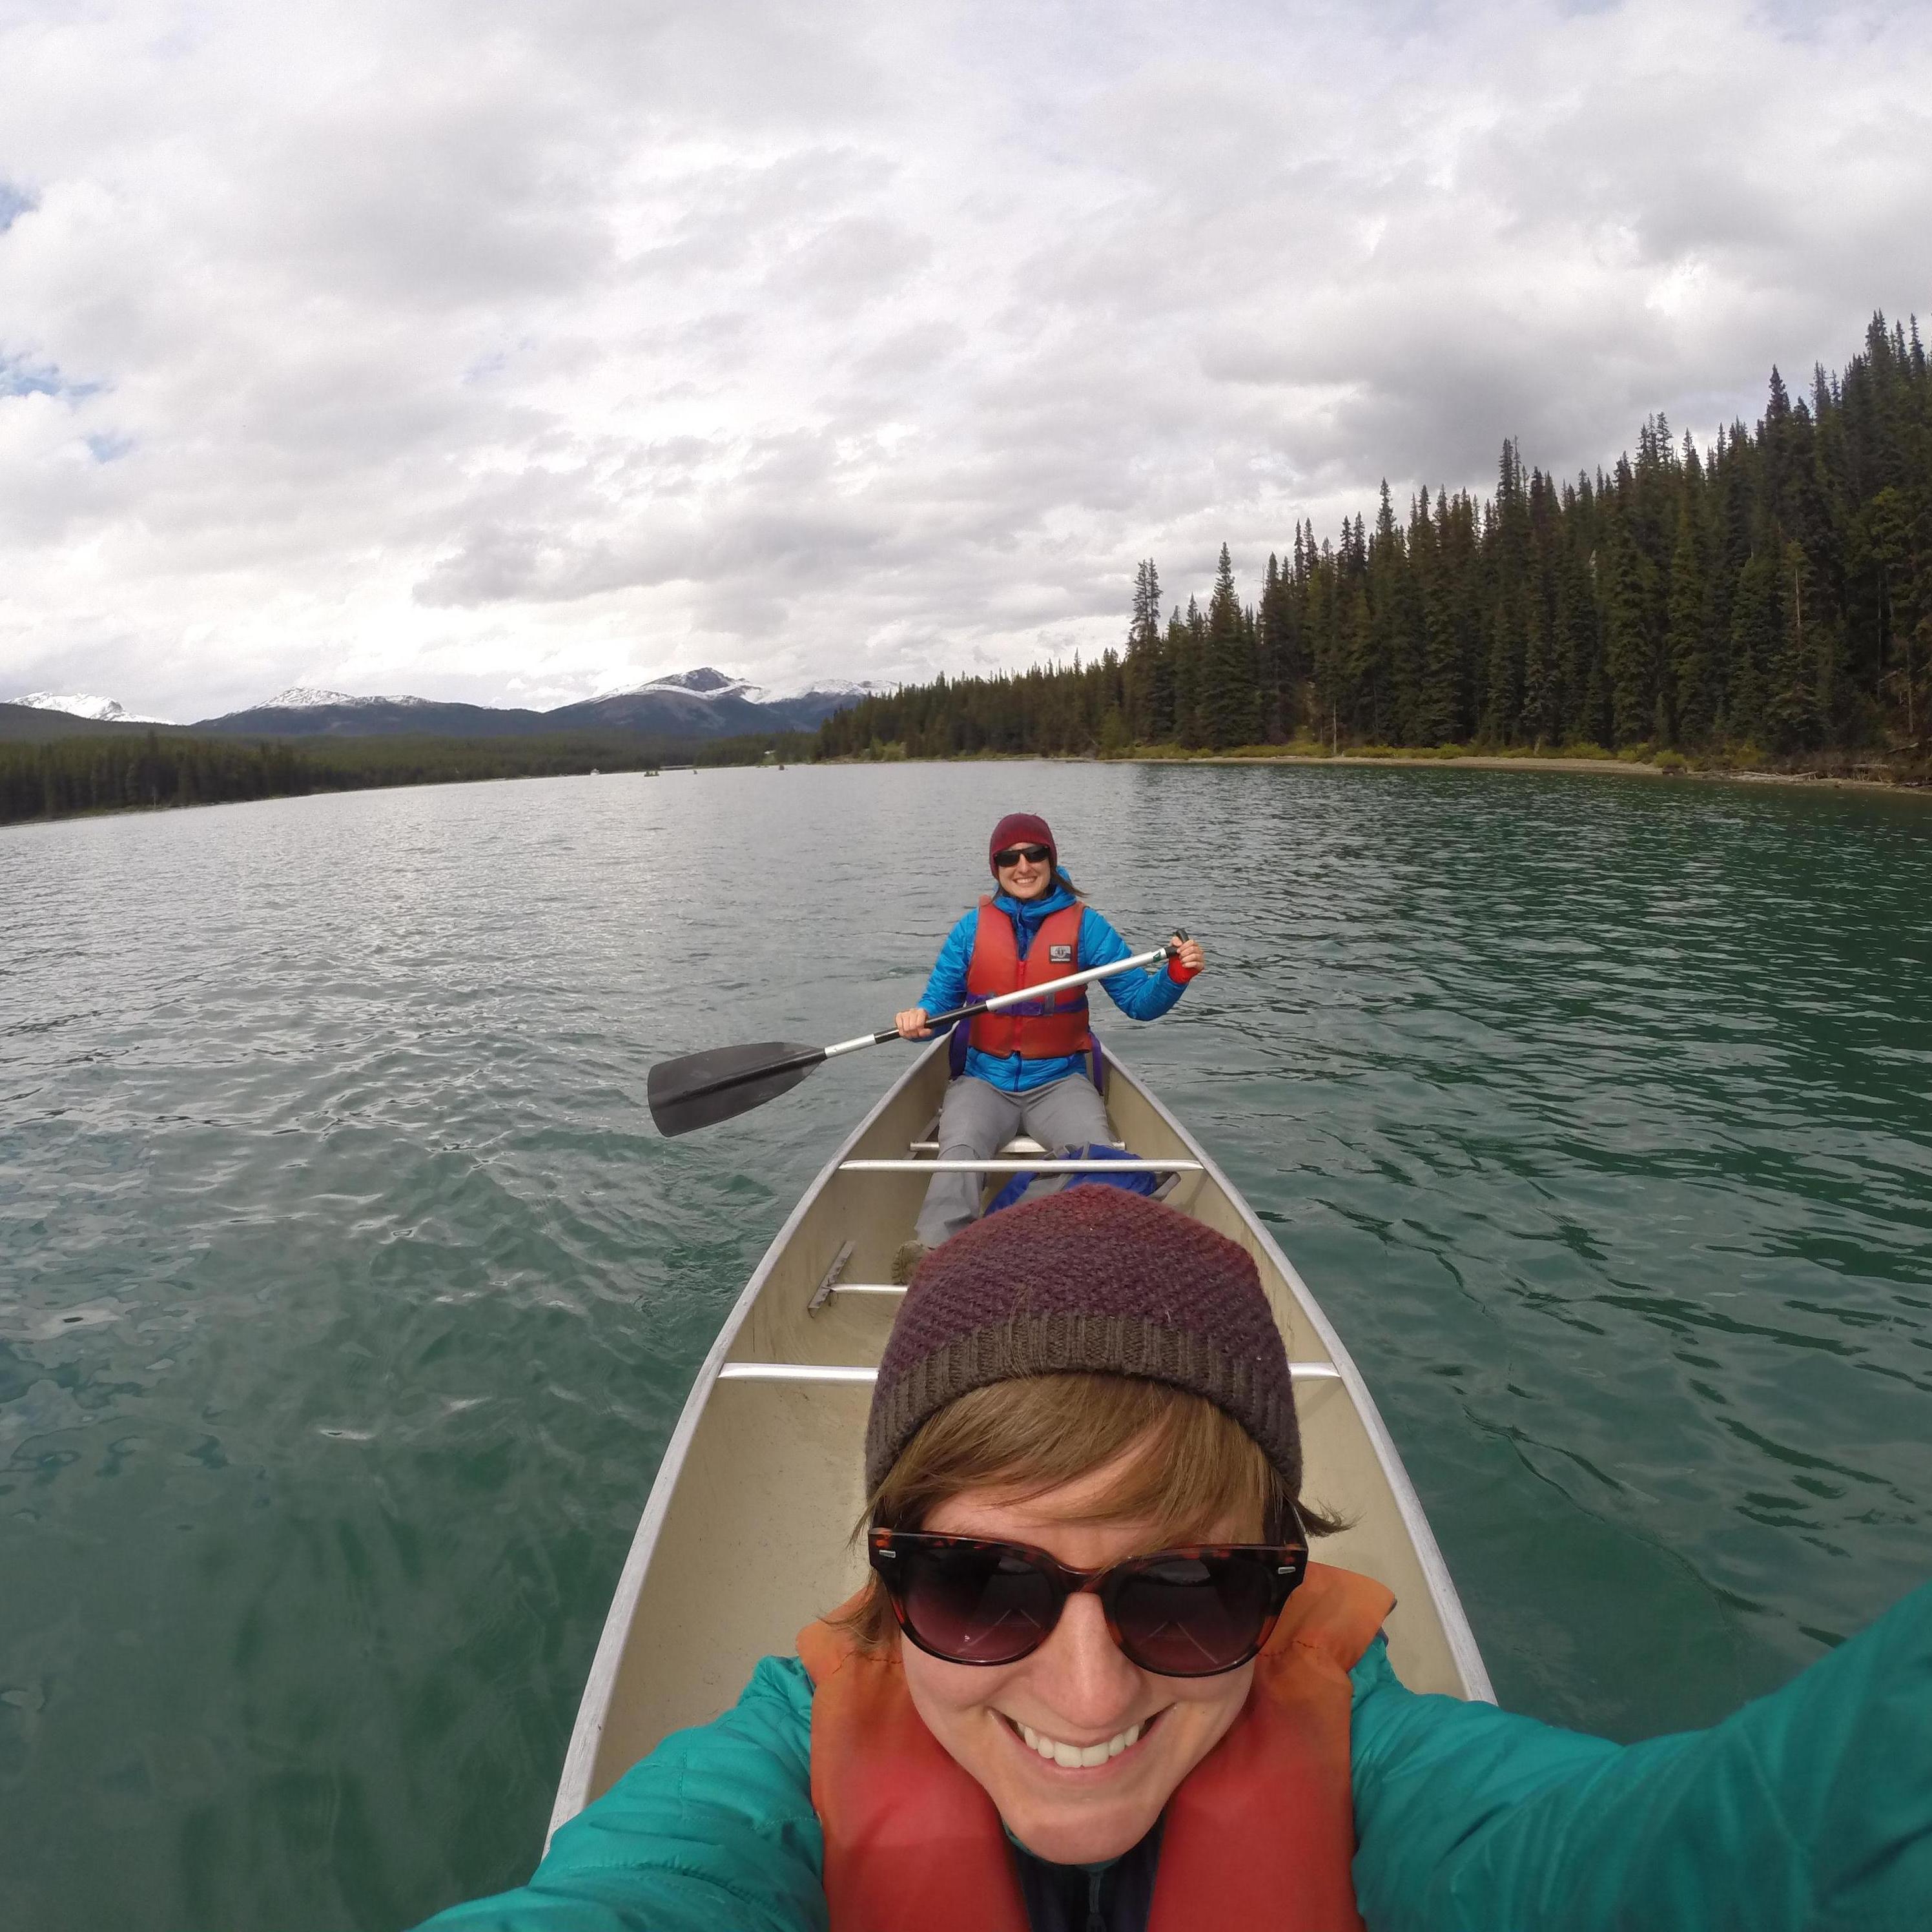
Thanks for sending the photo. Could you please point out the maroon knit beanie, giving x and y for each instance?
(1022, 828)
(1092, 1279)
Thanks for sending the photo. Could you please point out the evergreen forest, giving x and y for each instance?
(130, 769)
(1766, 601)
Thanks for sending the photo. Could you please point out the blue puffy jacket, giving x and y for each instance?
(1809, 1811)
(1140, 996)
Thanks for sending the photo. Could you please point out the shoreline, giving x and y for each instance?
(1485, 761)
(1502, 762)
(1472, 761)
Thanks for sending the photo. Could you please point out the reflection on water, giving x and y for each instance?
(347, 1298)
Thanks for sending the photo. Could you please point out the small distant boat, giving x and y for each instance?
(744, 1538)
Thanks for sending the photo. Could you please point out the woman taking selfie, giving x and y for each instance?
(1095, 1683)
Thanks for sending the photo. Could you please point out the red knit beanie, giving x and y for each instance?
(1022, 828)
(1093, 1279)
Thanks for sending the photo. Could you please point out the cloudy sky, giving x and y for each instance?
(508, 352)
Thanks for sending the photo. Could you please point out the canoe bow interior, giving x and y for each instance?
(747, 1534)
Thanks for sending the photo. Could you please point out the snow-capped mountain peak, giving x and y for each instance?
(308, 697)
(843, 687)
(82, 704)
(706, 681)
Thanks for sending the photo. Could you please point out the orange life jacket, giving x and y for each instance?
(1260, 1834)
(1049, 1029)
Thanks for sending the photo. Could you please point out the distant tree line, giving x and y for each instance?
(130, 769)
(1772, 595)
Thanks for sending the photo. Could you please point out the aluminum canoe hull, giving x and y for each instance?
(747, 1533)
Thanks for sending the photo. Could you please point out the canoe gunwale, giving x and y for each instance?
(1462, 1639)
(580, 1758)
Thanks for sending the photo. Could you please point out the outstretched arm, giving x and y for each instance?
(714, 1830)
(1808, 1810)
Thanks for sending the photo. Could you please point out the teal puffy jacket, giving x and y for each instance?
(1810, 1808)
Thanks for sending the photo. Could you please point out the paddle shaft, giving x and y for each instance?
(936, 1021)
(812, 1056)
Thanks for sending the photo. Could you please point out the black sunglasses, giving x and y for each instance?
(1191, 1613)
(1013, 854)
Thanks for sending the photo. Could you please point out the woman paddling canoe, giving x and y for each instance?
(1025, 1068)
(1095, 1683)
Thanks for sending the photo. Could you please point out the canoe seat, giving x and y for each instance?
(1005, 1162)
(928, 1144)
(1021, 1144)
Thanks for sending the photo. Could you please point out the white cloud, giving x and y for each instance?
(508, 353)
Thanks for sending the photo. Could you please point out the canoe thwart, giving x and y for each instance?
(794, 1372)
(823, 1372)
(1022, 1166)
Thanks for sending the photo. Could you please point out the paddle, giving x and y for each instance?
(701, 1089)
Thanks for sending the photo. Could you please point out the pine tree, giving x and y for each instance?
(1373, 671)
(1790, 709)
(1881, 597)
(1441, 704)
(1542, 716)
(1324, 635)
(1408, 634)
(1629, 591)
(1274, 653)
(1508, 627)
(1184, 636)
(1692, 669)
(1148, 701)
(1228, 713)
(1757, 637)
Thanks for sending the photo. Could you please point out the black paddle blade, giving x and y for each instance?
(702, 1089)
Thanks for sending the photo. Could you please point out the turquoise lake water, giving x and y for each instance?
(347, 1297)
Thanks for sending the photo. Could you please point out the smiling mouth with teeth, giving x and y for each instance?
(1080, 1757)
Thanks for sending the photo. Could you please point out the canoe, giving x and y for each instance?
(747, 1535)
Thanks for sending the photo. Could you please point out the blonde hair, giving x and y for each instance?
(1184, 1465)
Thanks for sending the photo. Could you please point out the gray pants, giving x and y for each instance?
(976, 1119)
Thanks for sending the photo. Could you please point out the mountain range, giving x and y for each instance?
(703, 703)
(83, 704)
